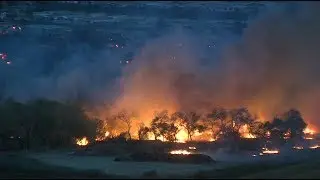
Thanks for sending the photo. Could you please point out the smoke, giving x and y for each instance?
(72, 72)
(273, 67)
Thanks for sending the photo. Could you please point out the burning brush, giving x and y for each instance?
(183, 152)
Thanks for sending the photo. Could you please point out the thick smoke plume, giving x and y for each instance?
(272, 68)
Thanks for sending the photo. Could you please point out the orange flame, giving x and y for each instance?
(307, 130)
(82, 142)
(184, 152)
(270, 151)
(182, 136)
(297, 147)
(245, 133)
(106, 134)
(314, 147)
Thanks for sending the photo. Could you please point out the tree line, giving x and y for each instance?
(52, 124)
(44, 123)
(221, 123)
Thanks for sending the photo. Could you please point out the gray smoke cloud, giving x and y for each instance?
(273, 67)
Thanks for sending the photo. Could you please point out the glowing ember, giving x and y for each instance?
(309, 138)
(268, 151)
(106, 134)
(314, 147)
(192, 148)
(268, 134)
(287, 135)
(82, 142)
(298, 147)
(184, 152)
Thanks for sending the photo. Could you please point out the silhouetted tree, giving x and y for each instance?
(191, 122)
(164, 125)
(168, 131)
(159, 118)
(294, 123)
(277, 131)
(45, 123)
(259, 129)
(143, 132)
(127, 118)
(240, 117)
(216, 121)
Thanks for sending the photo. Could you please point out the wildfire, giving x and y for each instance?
(287, 135)
(193, 148)
(298, 147)
(106, 134)
(268, 133)
(82, 142)
(269, 151)
(182, 136)
(245, 133)
(184, 152)
(314, 147)
(309, 131)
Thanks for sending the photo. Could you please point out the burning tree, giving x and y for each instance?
(291, 125)
(102, 129)
(143, 132)
(191, 122)
(216, 119)
(127, 118)
(259, 129)
(169, 131)
(239, 118)
(163, 125)
(294, 123)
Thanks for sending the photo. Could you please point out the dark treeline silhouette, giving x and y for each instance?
(43, 123)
